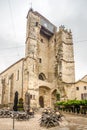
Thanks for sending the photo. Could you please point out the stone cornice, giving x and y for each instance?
(71, 83)
(31, 89)
(67, 61)
(67, 43)
(29, 57)
(30, 38)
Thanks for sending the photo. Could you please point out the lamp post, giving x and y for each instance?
(13, 121)
(15, 106)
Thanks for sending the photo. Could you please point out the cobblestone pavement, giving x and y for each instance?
(71, 123)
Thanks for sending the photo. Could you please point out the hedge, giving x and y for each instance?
(71, 102)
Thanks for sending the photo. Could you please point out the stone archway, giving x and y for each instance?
(44, 96)
(53, 97)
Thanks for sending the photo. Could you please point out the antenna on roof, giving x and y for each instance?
(31, 9)
(30, 5)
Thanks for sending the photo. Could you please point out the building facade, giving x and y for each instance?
(81, 88)
(48, 66)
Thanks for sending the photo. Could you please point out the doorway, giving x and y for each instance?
(41, 101)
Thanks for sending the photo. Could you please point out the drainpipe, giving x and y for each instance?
(22, 77)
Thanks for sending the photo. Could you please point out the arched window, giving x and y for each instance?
(42, 76)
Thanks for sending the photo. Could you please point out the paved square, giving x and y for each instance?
(74, 123)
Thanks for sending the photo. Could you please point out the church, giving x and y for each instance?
(48, 67)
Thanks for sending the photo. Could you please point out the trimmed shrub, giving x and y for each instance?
(72, 102)
(20, 105)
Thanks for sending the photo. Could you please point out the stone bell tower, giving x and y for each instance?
(65, 55)
(32, 34)
(31, 56)
(49, 59)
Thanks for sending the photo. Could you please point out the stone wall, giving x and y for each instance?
(11, 81)
(43, 55)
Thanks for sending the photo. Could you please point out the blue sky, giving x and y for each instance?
(70, 13)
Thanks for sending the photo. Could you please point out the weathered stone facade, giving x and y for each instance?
(48, 65)
(10, 82)
(81, 88)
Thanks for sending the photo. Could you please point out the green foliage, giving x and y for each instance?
(20, 108)
(20, 105)
(20, 100)
(57, 96)
(84, 102)
(72, 102)
(59, 103)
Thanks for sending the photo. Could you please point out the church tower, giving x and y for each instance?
(49, 59)
(48, 65)
(40, 44)
(65, 55)
(32, 34)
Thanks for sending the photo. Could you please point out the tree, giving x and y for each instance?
(15, 101)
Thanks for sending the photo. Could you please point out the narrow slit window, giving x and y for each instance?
(77, 88)
(85, 87)
(40, 60)
(18, 75)
(42, 40)
(36, 23)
